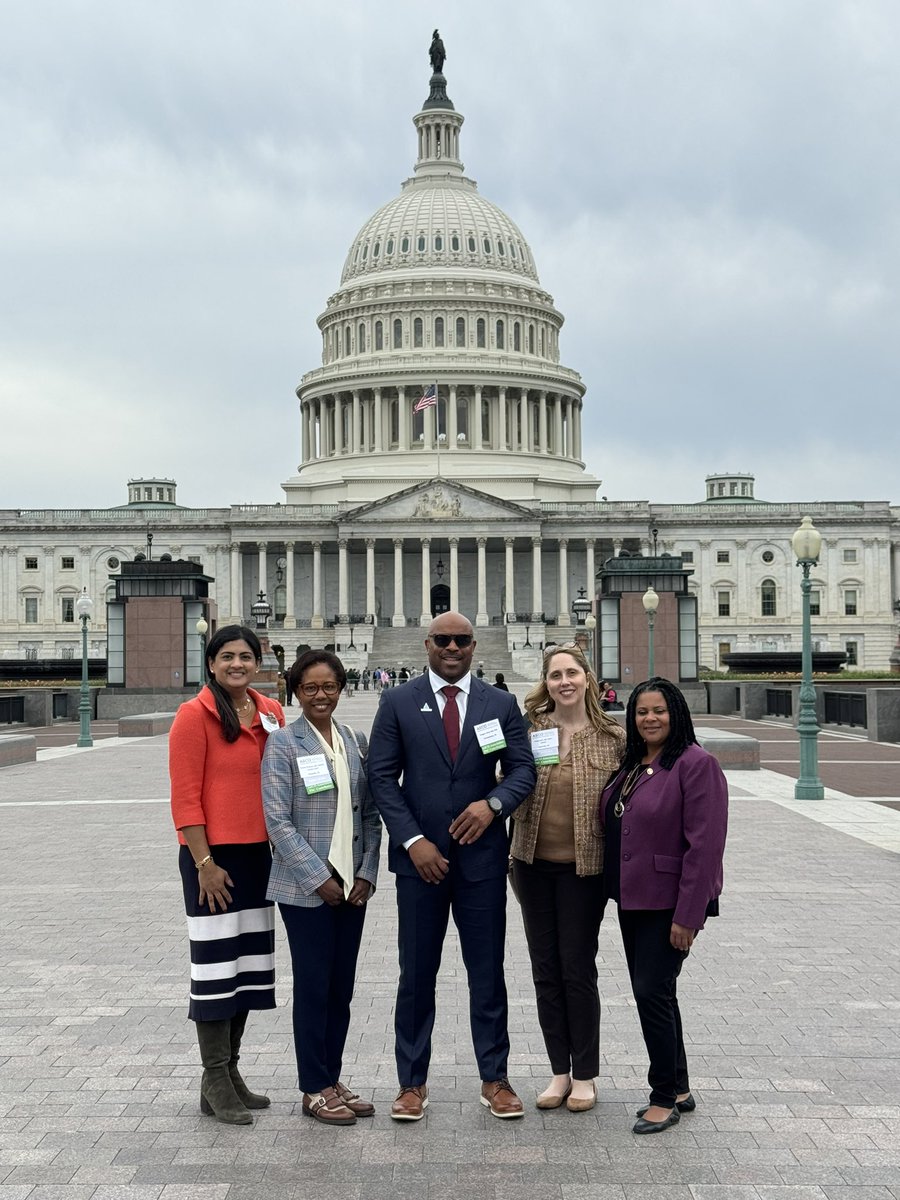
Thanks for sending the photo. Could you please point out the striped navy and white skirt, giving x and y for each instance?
(232, 952)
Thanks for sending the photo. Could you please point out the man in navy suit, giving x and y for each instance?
(445, 733)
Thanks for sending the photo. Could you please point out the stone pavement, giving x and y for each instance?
(791, 1002)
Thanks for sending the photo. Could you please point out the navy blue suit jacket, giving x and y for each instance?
(419, 791)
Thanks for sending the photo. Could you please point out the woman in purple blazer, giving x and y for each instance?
(665, 815)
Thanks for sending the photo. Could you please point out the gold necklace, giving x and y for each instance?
(631, 782)
(243, 709)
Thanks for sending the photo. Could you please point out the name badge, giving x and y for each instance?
(268, 722)
(490, 736)
(545, 746)
(314, 773)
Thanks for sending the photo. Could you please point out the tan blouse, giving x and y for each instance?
(592, 759)
(556, 831)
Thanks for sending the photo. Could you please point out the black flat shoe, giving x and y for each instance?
(683, 1106)
(642, 1126)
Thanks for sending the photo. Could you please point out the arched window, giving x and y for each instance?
(767, 598)
(365, 253)
(376, 252)
(398, 334)
(471, 244)
(460, 331)
(438, 242)
(487, 245)
(517, 336)
(499, 335)
(404, 244)
(417, 333)
(479, 333)
(438, 331)
(454, 242)
(379, 336)
(485, 422)
(346, 341)
(389, 248)
(543, 344)
(420, 244)
(361, 339)
(500, 248)
(462, 419)
(531, 339)
(337, 343)
(512, 249)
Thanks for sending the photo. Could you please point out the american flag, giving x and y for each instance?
(428, 399)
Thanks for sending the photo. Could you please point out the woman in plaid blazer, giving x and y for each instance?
(325, 833)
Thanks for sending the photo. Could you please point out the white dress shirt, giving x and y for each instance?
(462, 703)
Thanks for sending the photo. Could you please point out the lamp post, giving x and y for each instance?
(260, 611)
(590, 624)
(650, 601)
(807, 544)
(84, 606)
(202, 629)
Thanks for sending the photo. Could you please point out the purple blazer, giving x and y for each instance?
(673, 837)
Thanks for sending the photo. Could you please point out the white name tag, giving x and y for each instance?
(268, 722)
(314, 773)
(545, 746)
(490, 736)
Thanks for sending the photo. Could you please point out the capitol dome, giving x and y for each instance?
(439, 294)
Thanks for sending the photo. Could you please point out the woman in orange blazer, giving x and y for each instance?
(215, 750)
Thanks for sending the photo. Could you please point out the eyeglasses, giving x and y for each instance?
(443, 640)
(312, 689)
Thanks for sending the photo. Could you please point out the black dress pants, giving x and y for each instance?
(654, 966)
(562, 912)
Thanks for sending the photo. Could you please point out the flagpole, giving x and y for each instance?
(437, 425)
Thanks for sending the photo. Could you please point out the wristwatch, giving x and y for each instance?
(495, 805)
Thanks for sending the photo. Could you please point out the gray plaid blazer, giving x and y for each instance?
(300, 826)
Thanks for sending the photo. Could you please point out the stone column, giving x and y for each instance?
(481, 616)
(403, 419)
(379, 422)
(562, 617)
(542, 426)
(304, 432)
(290, 617)
(370, 579)
(576, 428)
(510, 574)
(237, 583)
(475, 425)
(590, 570)
(523, 418)
(537, 602)
(501, 418)
(263, 569)
(452, 429)
(317, 621)
(558, 425)
(355, 436)
(399, 617)
(454, 574)
(425, 617)
(343, 580)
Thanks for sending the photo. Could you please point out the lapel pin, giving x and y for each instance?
(425, 708)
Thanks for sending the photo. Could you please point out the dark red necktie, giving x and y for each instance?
(451, 720)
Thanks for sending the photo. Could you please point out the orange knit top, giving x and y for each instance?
(217, 783)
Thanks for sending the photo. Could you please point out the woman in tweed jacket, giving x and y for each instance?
(326, 833)
(557, 853)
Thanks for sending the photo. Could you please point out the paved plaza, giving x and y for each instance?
(791, 1002)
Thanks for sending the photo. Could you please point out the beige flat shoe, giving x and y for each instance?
(574, 1104)
(552, 1099)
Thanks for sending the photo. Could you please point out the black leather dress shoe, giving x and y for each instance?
(642, 1126)
(683, 1106)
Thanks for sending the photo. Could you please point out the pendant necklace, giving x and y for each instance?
(631, 782)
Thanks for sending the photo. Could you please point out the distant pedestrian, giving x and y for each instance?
(500, 682)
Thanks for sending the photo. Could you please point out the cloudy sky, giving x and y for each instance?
(710, 189)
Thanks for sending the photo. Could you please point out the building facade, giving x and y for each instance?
(441, 467)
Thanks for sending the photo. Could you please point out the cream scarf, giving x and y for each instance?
(340, 853)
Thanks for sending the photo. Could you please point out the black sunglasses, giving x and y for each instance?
(443, 640)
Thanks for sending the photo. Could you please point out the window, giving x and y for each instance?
(852, 649)
(389, 248)
(31, 611)
(347, 341)
(67, 652)
(398, 334)
(418, 333)
(439, 331)
(31, 653)
(517, 336)
(732, 487)
(148, 493)
(479, 338)
(68, 610)
(723, 556)
(404, 245)
(486, 242)
(112, 562)
(379, 336)
(849, 556)
(768, 556)
(724, 648)
(687, 556)
(815, 602)
(361, 339)
(531, 339)
(724, 604)
(30, 562)
(454, 242)
(850, 602)
(420, 244)
(767, 598)
(471, 244)
(460, 331)
(500, 249)
(499, 335)
(438, 242)
(376, 250)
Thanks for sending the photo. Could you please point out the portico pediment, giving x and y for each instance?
(439, 500)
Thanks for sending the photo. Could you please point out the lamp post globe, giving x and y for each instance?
(84, 606)
(590, 624)
(650, 601)
(202, 628)
(807, 546)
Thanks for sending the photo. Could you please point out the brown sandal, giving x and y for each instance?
(328, 1107)
(359, 1107)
